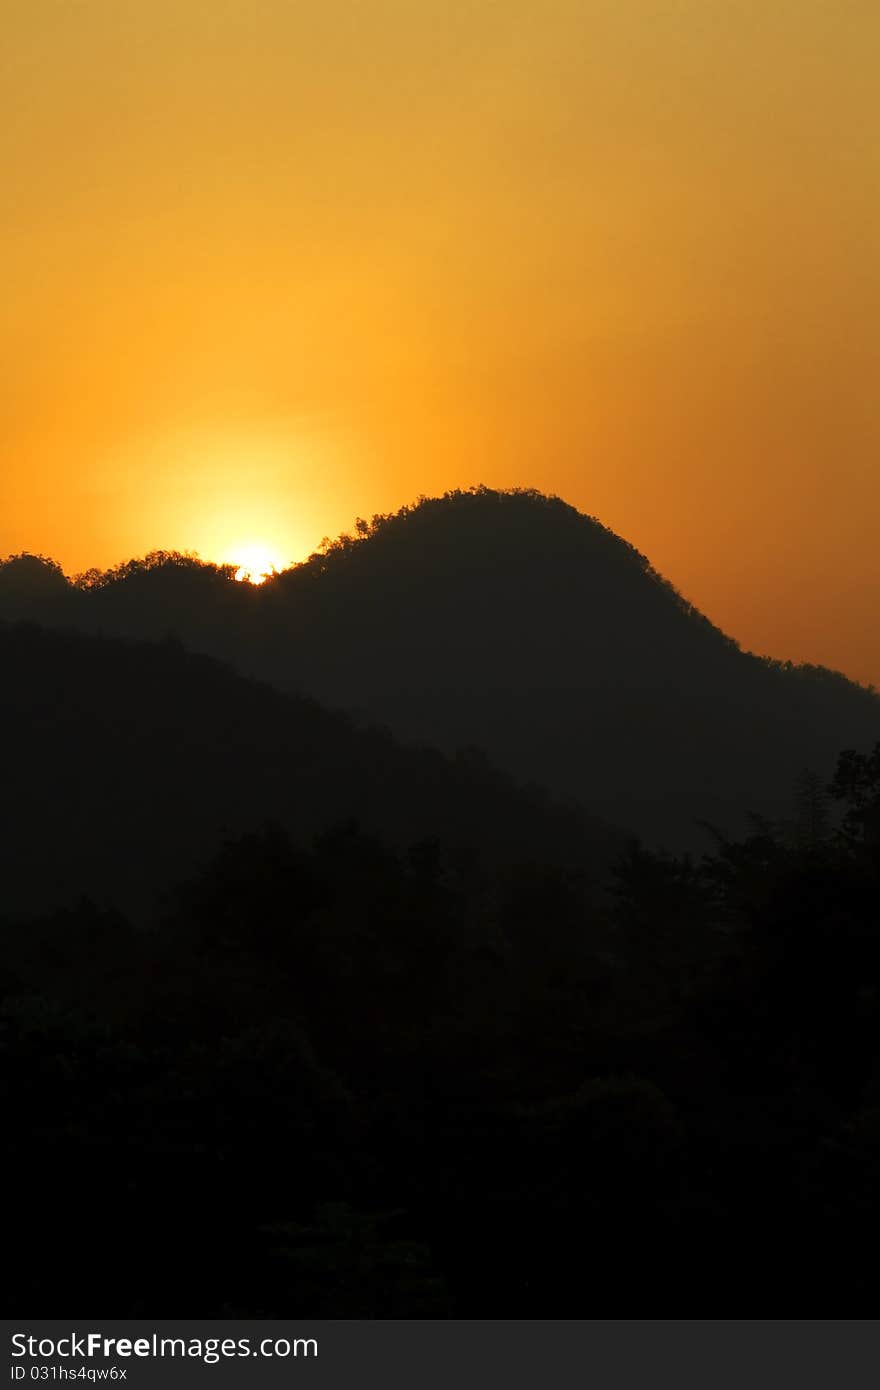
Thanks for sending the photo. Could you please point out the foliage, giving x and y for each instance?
(349, 1079)
(166, 562)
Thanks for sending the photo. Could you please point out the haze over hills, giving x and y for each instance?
(513, 623)
(126, 764)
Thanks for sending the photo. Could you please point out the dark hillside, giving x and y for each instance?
(511, 622)
(125, 764)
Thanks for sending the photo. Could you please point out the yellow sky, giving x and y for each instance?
(269, 264)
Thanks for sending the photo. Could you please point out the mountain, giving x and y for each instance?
(511, 622)
(370, 1037)
(126, 764)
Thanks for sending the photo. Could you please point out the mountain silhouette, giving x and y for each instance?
(126, 764)
(360, 1027)
(510, 622)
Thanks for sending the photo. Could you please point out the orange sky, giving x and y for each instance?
(268, 265)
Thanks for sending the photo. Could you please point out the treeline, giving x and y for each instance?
(340, 1077)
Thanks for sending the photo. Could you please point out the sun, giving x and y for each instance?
(256, 562)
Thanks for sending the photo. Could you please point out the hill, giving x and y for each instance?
(428, 1066)
(125, 764)
(512, 622)
(361, 1080)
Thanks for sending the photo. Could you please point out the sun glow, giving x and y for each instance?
(256, 562)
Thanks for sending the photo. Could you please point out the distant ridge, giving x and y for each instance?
(127, 764)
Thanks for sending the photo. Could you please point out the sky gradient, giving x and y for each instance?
(271, 265)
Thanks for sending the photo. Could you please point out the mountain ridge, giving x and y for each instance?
(128, 763)
(513, 622)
